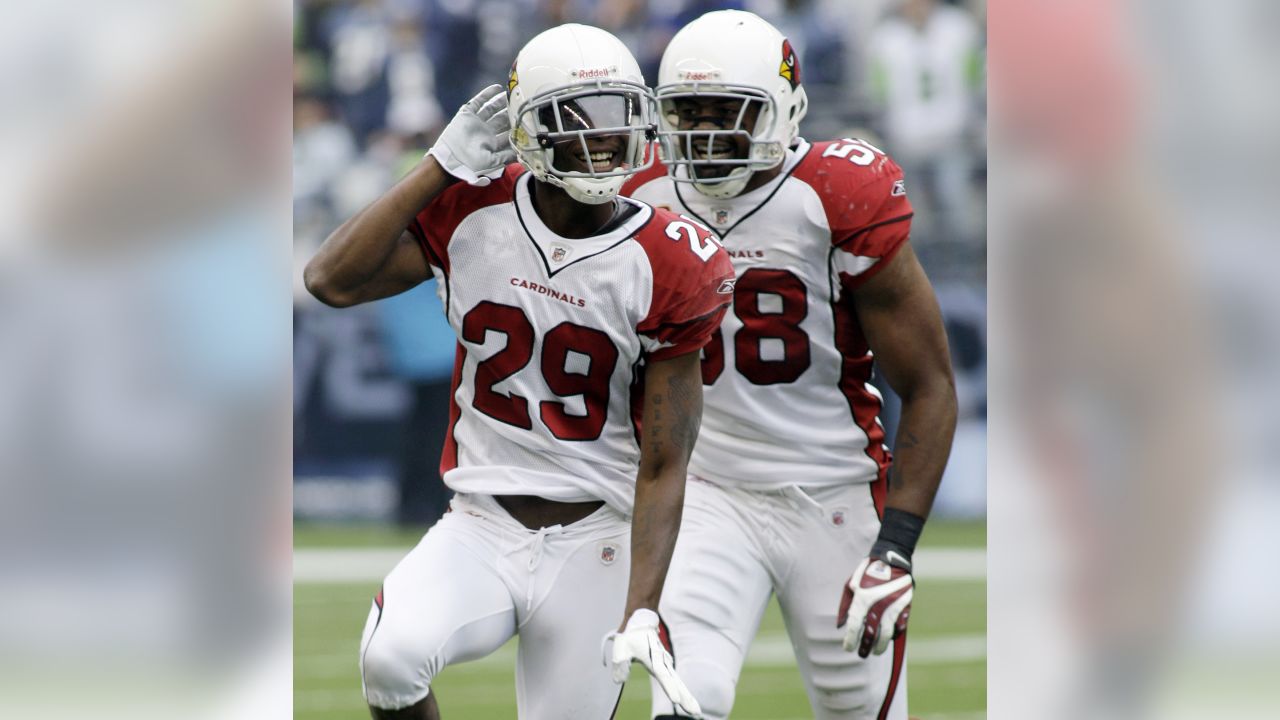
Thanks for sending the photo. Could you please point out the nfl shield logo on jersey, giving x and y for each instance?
(608, 553)
(837, 518)
(559, 253)
(722, 216)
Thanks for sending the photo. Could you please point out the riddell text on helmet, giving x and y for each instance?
(588, 73)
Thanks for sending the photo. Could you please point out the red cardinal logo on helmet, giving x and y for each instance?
(790, 67)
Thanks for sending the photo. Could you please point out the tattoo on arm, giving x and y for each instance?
(688, 417)
(655, 431)
(907, 439)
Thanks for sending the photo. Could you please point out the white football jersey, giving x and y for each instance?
(553, 334)
(787, 394)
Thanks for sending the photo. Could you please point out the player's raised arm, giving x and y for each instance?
(371, 255)
(903, 326)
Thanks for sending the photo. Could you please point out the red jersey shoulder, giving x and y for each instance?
(644, 177)
(435, 224)
(682, 245)
(460, 199)
(692, 283)
(859, 185)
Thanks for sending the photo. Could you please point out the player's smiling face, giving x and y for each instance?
(590, 114)
(694, 113)
(603, 154)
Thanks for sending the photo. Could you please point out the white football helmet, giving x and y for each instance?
(575, 82)
(735, 55)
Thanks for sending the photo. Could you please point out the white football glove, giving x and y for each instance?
(645, 640)
(875, 604)
(474, 147)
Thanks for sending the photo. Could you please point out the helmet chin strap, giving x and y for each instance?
(580, 189)
(731, 187)
(732, 184)
(736, 181)
(607, 187)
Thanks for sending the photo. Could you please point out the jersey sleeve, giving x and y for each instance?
(866, 206)
(435, 224)
(690, 292)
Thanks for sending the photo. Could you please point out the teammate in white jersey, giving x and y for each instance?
(790, 487)
(575, 310)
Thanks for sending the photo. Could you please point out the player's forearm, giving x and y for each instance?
(923, 444)
(672, 414)
(654, 526)
(354, 254)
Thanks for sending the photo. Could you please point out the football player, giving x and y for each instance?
(790, 490)
(574, 310)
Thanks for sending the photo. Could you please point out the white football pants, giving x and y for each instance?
(477, 578)
(737, 548)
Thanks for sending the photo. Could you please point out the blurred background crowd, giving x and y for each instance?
(376, 80)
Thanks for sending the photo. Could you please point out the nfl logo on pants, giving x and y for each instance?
(608, 553)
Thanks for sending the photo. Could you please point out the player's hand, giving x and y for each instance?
(645, 640)
(875, 604)
(474, 147)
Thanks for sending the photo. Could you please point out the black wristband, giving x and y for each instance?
(899, 532)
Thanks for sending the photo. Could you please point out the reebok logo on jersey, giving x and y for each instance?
(548, 292)
(899, 188)
(726, 287)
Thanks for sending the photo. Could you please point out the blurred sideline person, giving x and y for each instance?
(790, 487)
(925, 62)
(420, 348)
(570, 305)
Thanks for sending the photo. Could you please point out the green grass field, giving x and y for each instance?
(946, 652)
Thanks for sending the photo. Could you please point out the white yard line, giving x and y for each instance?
(950, 563)
(775, 650)
(344, 565)
(352, 565)
(772, 651)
